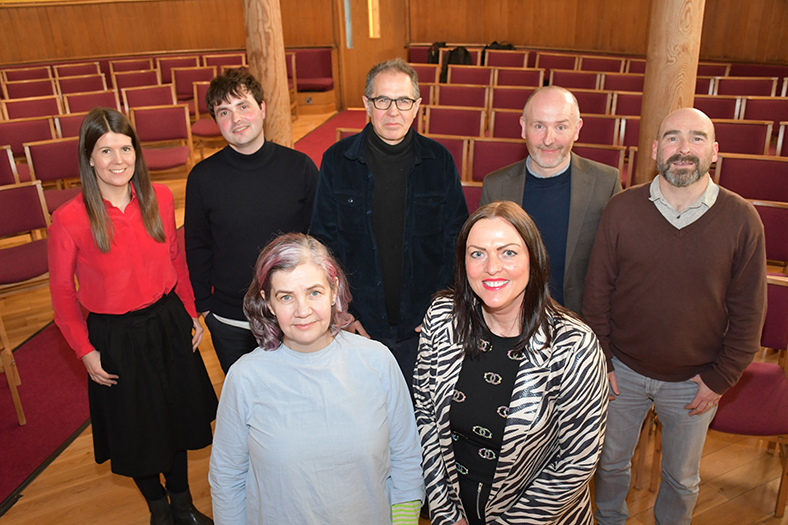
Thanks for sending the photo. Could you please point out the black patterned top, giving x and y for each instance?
(480, 406)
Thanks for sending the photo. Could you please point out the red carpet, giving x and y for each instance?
(318, 141)
(55, 398)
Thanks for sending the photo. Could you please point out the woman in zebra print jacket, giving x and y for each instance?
(510, 388)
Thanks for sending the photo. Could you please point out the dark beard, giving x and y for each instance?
(682, 177)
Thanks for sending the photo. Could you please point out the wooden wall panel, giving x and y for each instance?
(755, 31)
(308, 23)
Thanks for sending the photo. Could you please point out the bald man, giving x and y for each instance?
(563, 192)
(675, 292)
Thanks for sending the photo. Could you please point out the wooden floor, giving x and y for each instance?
(739, 476)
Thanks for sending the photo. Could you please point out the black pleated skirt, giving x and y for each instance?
(163, 402)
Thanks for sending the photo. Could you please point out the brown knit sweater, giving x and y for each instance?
(673, 303)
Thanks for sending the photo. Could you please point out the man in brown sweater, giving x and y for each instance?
(676, 292)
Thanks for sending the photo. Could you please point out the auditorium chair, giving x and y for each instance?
(626, 103)
(82, 102)
(40, 87)
(600, 129)
(67, 126)
(458, 147)
(713, 69)
(461, 96)
(165, 133)
(343, 133)
(509, 97)
(749, 137)
(629, 131)
(16, 132)
(130, 79)
(488, 155)
(601, 64)
(469, 75)
(25, 73)
(475, 52)
(753, 176)
(292, 82)
(705, 85)
(507, 76)
(758, 70)
(23, 266)
(782, 147)
(8, 173)
(55, 162)
(130, 64)
(550, 60)
(745, 86)
(636, 65)
(225, 59)
(443, 120)
(314, 69)
(76, 69)
(427, 73)
(718, 106)
(506, 58)
(622, 82)
(765, 108)
(166, 64)
(81, 84)
(473, 195)
(160, 95)
(774, 216)
(571, 79)
(428, 93)
(593, 101)
(205, 131)
(418, 54)
(610, 155)
(185, 77)
(505, 124)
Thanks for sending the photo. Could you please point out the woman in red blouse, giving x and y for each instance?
(150, 396)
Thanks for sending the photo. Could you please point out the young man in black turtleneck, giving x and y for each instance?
(389, 204)
(236, 202)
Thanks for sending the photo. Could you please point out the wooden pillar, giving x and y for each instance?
(671, 67)
(265, 49)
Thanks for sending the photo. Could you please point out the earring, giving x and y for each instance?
(333, 303)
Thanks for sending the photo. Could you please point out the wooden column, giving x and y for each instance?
(671, 68)
(265, 49)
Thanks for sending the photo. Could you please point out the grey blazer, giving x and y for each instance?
(592, 186)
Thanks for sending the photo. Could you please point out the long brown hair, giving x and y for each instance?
(96, 124)
(537, 308)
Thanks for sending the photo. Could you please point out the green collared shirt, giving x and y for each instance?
(692, 213)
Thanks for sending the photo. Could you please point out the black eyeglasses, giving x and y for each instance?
(383, 103)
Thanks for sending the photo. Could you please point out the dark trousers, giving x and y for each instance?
(404, 352)
(230, 342)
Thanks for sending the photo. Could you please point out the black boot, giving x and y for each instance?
(183, 511)
(160, 513)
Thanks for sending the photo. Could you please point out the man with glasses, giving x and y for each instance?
(389, 204)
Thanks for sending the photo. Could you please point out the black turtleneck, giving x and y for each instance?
(389, 166)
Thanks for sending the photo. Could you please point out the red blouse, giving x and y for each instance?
(136, 272)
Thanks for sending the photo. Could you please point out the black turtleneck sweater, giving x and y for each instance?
(389, 166)
(235, 205)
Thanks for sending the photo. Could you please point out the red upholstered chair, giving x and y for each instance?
(418, 54)
(225, 59)
(470, 75)
(76, 69)
(488, 155)
(774, 216)
(31, 107)
(572, 79)
(775, 328)
(291, 83)
(343, 133)
(549, 61)
(758, 70)
(130, 79)
(473, 196)
(745, 86)
(507, 76)
(593, 101)
(55, 162)
(205, 131)
(8, 173)
(165, 65)
(184, 79)
(428, 93)
(130, 64)
(22, 266)
(162, 95)
(505, 124)
(166, 135)
(750, 137)
(468, 122)
(741, 411)
(67, 126)
(704, 85)
(40, 87)
(458, 147)
(461, 96)
(636, 65)
(82, 84)
(713, 69)
(622, 82)
(506, 58)
(717, 106)
(25, 73)
(610, 155)
(629, 132)
(626, 103)
(82, 102)
(753, 176)
(475, 52)
(602, 64)
(428, 73)
(600, 129)
(782, 146)
(765, 108)
(314, 70)
(509, 97)
(16, 132)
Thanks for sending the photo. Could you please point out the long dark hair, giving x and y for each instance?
(96, 124)
(537, 308)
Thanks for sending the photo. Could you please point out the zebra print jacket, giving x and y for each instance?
(553, 435)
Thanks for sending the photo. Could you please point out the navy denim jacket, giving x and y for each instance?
(436, 211)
